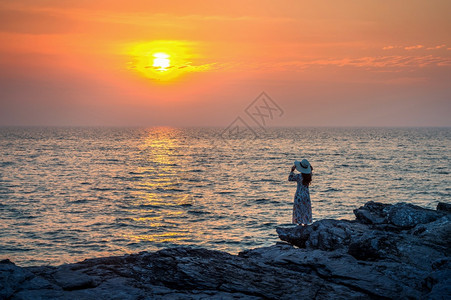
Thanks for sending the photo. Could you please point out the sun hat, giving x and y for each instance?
(303, 166)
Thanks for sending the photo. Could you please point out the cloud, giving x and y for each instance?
(436, 47)
(388, 63)
(414, 47)
(392, 63)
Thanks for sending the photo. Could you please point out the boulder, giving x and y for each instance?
(12, 278)
(436, 234)
(374, 246)
(409, 238)
(438, 282)
(401, 215)
(339, 269)
(325, 235)
(407, 215)
(371, 213)
(445, 207)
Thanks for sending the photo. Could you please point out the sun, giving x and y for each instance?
(161, 61)
(164, 61)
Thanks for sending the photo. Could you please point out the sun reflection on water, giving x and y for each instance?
(159, 192)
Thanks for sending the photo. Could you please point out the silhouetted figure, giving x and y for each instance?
(302, 208)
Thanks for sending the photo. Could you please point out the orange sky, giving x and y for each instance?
(325, 63)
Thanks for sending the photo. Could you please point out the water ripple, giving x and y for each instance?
(71, 193)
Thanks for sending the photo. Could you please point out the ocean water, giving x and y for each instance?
(67, 194)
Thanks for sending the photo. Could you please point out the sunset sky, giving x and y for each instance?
(201, 63)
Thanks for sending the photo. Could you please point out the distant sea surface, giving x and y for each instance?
(67, 194)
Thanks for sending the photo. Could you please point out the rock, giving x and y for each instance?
(436, 234)
(390, 252)
(445, 207)
(11, 278)
(69, 279)
(296, 236)
(371, 213)
(401, 215)
(374, 246)
(338, 269)
(407, 215)
(438, 282)
(324, 235)
(405, 236)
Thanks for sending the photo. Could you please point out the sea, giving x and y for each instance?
(67, 194)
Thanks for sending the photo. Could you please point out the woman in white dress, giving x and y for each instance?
(302, 208)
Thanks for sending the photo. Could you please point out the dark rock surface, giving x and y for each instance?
(441, 206)
(402, 215)
(405, 246)
(396, 251)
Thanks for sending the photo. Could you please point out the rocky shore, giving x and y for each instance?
(396, 251)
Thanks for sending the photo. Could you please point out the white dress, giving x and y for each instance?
(302, 208)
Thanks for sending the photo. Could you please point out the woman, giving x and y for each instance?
(302, 209)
